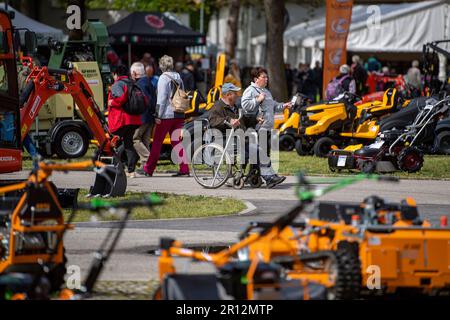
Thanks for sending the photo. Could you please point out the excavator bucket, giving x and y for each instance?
(111, 180)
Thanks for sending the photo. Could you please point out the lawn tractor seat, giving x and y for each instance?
(214, 94)
(403, 117)
(196, 100)
(392, 99)
(193, 287)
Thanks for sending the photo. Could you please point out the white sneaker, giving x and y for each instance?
(131, 175)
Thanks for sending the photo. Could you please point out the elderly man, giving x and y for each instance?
(142, 135)
(224, 113)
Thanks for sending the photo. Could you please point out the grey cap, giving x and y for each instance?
(226, 87)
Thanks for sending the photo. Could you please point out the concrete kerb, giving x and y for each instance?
(249, 210)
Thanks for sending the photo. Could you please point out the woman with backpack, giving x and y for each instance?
(121, 123)
(167, 119)
(344, 82)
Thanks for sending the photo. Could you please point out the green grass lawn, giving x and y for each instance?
(175, 206)
(435, 167)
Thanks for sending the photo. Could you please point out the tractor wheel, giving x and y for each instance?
(443, 142)
(410, 160)
(366, 166)
(287, 142)
(300, 148)
(347, 272)
(71, 142)
(323, 146)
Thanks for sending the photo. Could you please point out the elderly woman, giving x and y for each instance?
(166, 120)
(257, 101)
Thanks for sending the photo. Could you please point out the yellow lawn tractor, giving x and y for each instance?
(319, 128)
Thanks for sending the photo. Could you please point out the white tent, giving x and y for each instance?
(402, 27)
(43, 31)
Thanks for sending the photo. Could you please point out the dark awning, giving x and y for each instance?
(148, 28)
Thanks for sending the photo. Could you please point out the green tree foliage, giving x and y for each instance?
(178, 6)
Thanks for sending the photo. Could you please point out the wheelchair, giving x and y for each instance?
(214, 164)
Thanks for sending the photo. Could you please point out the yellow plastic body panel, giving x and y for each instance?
(285, 121)
(220, 69)
(367, 130)
(325, 118)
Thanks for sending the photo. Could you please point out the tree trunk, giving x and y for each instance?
(232, 29)
(77, 34)
(25, 8)
(274, 48)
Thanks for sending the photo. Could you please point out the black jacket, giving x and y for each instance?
(220, 113)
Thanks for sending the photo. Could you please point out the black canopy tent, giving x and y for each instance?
(152, 30)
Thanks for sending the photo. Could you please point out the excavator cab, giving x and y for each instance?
(10, 142)
(43, 83)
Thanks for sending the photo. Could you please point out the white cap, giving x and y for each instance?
(344, 69)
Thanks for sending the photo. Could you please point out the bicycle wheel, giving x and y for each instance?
(211, 166)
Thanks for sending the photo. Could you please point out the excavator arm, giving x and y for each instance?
(42, 83)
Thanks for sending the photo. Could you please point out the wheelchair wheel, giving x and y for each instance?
(211, 166)
(238, 181)
(255, 181)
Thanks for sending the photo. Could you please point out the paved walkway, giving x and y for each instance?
(134, 259)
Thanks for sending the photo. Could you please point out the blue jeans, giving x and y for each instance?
(29, 146)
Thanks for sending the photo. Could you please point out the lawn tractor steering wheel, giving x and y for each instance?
(351, 97)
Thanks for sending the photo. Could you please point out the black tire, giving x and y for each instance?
(255, 181)
(366, 166)
(323, 146)
(410, 160)
(348, 273)
(443, 142)
(71, 142)
(238, 183)
(287, 142)
(300, 148)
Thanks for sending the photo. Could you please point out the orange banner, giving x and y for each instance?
(339, 16)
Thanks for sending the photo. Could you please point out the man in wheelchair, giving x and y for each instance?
(225, 115)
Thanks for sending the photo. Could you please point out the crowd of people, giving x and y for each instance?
(161, 117)
(136, 129)
(353, 78)
(158, 82)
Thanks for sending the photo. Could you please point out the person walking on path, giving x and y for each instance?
(166, 120)
(142, 135)
(257, 101)
(121, 123)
